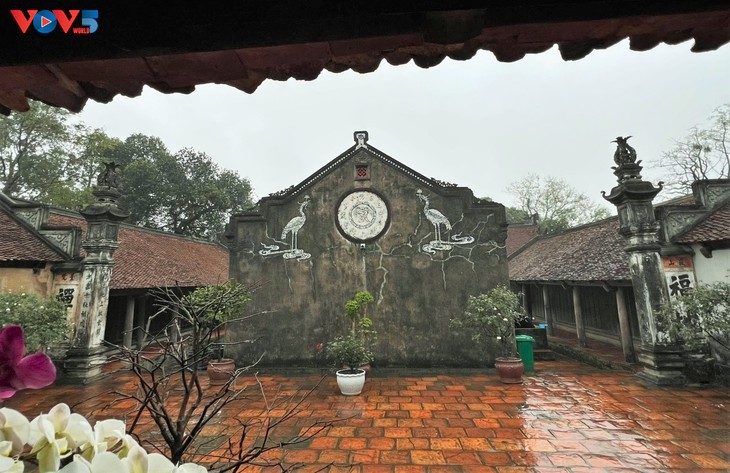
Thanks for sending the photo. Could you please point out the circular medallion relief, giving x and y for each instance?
(362, 215)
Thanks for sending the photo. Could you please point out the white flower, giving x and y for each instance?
(506, 319)
(14, 428)
(56, 434)
(10, 465)
(499, 338)
(139, 461)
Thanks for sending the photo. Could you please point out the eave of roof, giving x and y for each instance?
(173, 51)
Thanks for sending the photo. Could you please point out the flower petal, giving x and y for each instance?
(159, 464)
(12, 343)
(6, 392)
(191, 468)
(59, 415)
(15, 428)
(107, 462)
(35, 371)
(137, 460)
(49, 458)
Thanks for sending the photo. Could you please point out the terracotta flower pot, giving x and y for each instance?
(219, 372)
(510, 370)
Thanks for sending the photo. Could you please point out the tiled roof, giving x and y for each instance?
(148, 258)
(592, 252)
(21, 244)
(519, 235)
(713, 228)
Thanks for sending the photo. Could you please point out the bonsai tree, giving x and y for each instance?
(493, 316)
(356, 312)
(212, 306)
(353, 350)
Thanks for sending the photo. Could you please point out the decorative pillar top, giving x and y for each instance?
(106, 193)
(631, 186)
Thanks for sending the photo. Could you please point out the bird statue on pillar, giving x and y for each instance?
(624, 154)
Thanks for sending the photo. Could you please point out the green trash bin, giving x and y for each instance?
(524, 347)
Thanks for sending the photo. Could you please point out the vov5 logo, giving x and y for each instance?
(45, 21)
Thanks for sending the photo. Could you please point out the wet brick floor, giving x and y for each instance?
(566, 417)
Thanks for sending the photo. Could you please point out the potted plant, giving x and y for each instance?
(352, 353)
(492, 317)
(212, 307)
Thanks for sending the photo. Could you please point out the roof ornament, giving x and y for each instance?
(361, 138)
(624, 154)
(108, 177)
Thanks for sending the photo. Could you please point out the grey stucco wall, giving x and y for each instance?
(416, 293)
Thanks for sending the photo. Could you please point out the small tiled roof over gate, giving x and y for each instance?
(592, 252)
(716, 227)
(149, 258)
(22, 244)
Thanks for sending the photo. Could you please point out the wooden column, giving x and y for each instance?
(129, 323)
(627, 342)
(580, 329)
(141, 321)
(526, 300)
(546, 306)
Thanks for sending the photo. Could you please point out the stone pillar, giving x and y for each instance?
(86, 357)
(627, 342)
(129, 322)
(580, 329)
(662, 362)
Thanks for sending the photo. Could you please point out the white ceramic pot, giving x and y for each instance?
(351, 383)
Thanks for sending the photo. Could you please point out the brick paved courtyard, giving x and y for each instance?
(566, 417)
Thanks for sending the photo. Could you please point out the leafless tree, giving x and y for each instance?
(703, 154)
(557, 204)
(172, 392)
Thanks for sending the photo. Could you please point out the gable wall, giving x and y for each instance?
(416, 293)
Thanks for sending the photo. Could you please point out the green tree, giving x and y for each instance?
(34, 151)
(558, 205)
(184, 192)
(703, 154)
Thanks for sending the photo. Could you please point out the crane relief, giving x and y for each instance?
(438, 220)
(292, 227)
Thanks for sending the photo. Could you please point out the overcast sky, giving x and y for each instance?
(479, 123)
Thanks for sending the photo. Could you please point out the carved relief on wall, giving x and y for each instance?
(439, 220)
(362, 216)
(291, 229)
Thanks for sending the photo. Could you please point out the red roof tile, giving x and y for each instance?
(592, 252)
(713, 228)
(148, 258)
(519, 235)
(21, 244)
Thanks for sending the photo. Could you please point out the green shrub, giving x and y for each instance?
(43, 320)
(701, 314)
